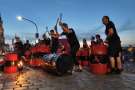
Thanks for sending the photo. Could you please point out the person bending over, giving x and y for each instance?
(114, 45)
(73, 42)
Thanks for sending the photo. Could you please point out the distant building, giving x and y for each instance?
(2, 39)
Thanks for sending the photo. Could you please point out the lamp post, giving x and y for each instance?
(20, 18)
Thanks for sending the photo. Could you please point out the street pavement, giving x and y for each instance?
(38, 79)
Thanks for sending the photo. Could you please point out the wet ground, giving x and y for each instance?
(37, 79)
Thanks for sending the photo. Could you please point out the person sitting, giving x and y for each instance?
(98, 39)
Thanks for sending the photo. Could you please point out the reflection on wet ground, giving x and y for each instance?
(37, 79)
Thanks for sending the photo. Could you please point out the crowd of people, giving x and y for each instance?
(112, 40)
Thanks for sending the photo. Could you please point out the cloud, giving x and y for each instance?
(91, 32)
(128, 25)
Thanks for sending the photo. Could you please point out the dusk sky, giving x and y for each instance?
(83, 15)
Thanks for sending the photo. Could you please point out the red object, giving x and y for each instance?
(108, 68)
(99, 49)
(99, 69)
(36, 62)
(84, 52)
(2, 62)
(27, 54)
(84, 63)
(41, 48)
(78, 53)
(10, 69)
(66, 45)
(11, 57)
(34, 49)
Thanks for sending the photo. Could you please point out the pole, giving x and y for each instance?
(37, 33)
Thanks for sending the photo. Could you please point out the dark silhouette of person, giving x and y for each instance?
(114, 48)
(27, 45)
(85, 45)
(18, 47)
(73, 42)
(93, 40)
(54, 41)
(98, 39)
(46, 40)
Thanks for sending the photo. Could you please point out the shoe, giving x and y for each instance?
(79, 70)
(118, 71)
(113, 71)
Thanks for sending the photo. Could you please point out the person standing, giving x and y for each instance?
(18, 47)
(99, 40)
(27, 46)
(54, 41)
(114, 45)
(85, 44)
(46, 40)
(73, 42)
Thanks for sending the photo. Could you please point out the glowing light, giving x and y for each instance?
(20, 18)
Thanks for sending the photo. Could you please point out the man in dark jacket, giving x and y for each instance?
(114, 49)
(73, 42)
